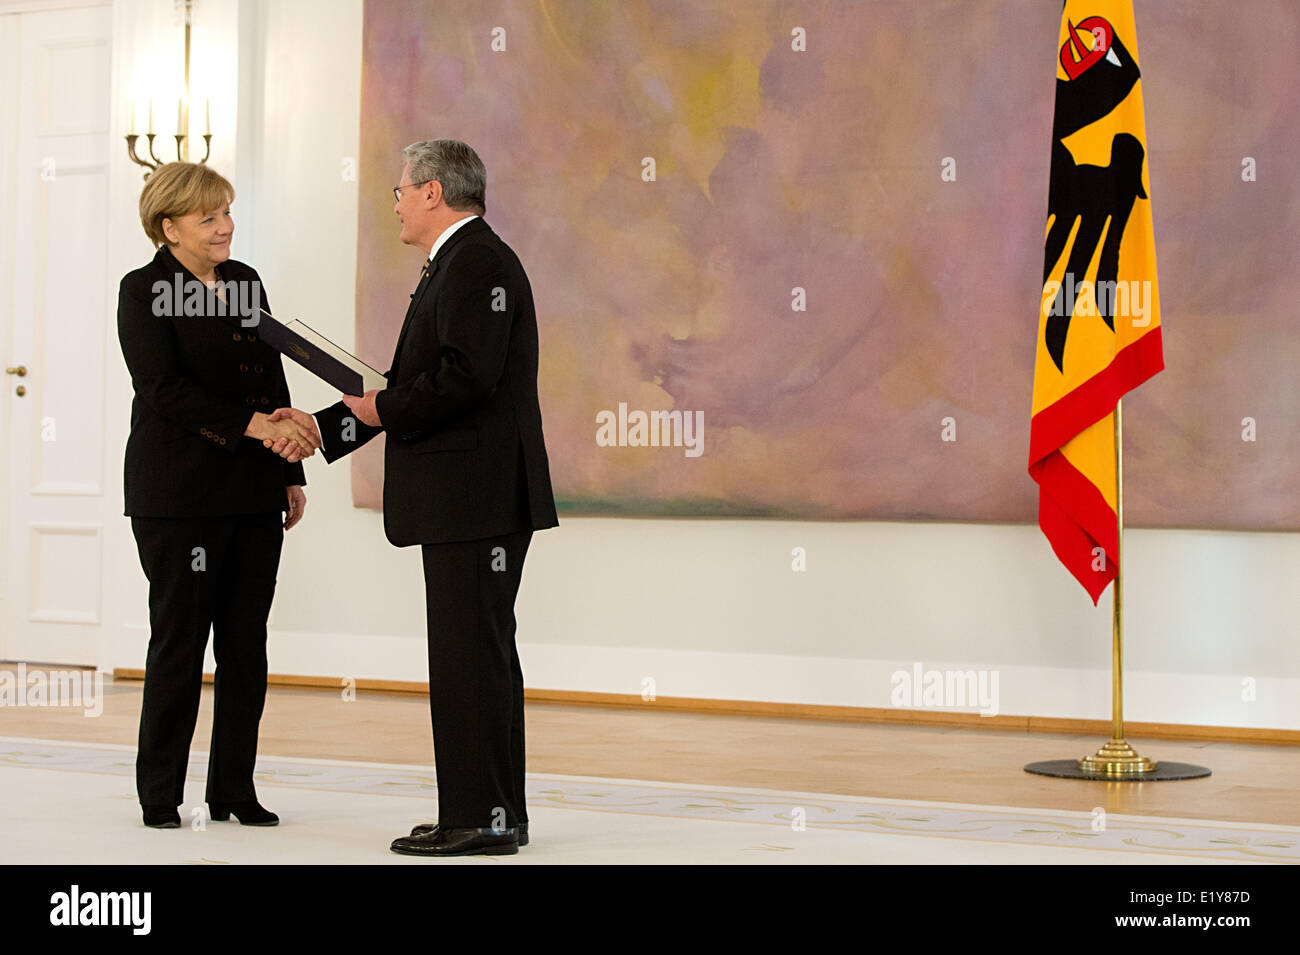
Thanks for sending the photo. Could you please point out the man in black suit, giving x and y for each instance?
(465, 477)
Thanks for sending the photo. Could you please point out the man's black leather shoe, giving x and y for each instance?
(459, 842)
(521, 829)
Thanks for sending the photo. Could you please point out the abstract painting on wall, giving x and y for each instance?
(804, 241)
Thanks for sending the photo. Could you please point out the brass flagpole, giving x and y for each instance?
(1116, 760)
(1117, 757)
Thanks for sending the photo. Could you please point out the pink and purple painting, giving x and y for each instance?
(816, 229)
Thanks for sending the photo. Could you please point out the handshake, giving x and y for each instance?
(290, 433)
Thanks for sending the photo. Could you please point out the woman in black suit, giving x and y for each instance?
(204, 495)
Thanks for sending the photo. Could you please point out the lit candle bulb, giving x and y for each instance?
(180, 117)
(150, 115)
(207, 117)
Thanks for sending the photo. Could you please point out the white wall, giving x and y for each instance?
(706, 608)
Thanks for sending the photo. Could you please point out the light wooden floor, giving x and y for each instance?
(1251, 783)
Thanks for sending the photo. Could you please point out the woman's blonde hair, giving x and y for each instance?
(177, 189)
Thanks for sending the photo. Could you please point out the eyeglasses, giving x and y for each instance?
(397, 190)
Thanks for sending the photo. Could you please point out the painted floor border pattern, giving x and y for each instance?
(1188, 838)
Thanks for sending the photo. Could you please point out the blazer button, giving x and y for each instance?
(222, 440)
(250, 401)
(243, 367)
(237, 337)
(252, 337)
(257, 369)
(266, 401)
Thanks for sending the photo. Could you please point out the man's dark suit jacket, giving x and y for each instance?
(198, 379)
(464, 457)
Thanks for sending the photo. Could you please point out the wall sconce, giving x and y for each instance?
(152, 162)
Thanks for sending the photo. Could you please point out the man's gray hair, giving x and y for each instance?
(455, 166)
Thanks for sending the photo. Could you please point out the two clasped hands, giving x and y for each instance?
(293, 435)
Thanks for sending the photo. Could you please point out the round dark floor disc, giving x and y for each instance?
(1069, 769)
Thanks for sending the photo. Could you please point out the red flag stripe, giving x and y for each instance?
(1075, 518)
(1095, 398)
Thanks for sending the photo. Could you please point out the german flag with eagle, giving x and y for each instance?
(1099, 320)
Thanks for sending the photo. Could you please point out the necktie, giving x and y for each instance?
(424, 273)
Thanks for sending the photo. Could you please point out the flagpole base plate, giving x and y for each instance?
(1098, 767)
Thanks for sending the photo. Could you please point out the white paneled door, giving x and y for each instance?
(55, 300)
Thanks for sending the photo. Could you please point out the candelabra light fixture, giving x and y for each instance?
(182, 137)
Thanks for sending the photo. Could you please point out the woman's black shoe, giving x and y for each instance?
(248, 813)
(161, 817)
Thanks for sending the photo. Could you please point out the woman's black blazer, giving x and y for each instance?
(198, 379)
